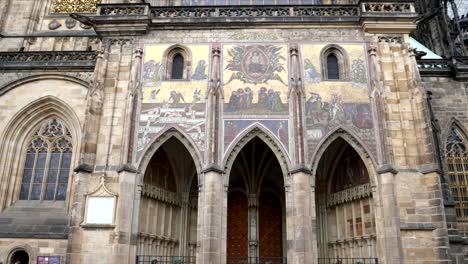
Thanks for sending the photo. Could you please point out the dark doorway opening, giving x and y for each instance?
(20, 257)
(256, 211)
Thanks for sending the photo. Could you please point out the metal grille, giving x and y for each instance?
(348, 261)
(165, 260)
(457, 162)
(458, 172)
(253, 260)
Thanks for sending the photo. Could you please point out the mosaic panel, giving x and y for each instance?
(330, 104)
(178, 103)
(255, 78)
(278, 127)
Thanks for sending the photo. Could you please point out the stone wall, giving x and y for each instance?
(34, 247)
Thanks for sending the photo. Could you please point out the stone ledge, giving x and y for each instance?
(48, 60)
(417, 226)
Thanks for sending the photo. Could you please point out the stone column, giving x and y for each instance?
(389, 247)
(301, 219)
(253, 226)
(211, 213)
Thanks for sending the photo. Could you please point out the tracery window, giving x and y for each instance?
(75, 6)
(457, 162)
(177, 71)
(47, 164)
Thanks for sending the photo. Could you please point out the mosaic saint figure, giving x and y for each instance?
(233, 101)
(199, 73)
(248, 94)
(311, 73)
(263, 98)
(255, 63)
(176, 97)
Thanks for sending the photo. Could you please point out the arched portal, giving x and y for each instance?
(19, 257)
(345, 214)
(256, 211)
(168, 206)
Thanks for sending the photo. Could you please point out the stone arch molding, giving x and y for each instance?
(17, 246)
(343, 61)
(15, 139)
(453, 122)
(159, 140)
(355, 143)
(251, 132)
(78, 79)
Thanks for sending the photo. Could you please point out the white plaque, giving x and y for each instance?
(100, 210)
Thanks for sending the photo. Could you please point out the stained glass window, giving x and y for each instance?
(457, 162)
(332, 67)
(47, 164)
(177, 72)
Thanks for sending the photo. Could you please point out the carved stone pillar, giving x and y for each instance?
(212, 205)
(214, 106)
(253, 226)
(184, 222)
(300, 220)
(95, 103)
(211, 214)
(387, 219)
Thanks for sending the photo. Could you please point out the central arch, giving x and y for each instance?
(256, 218)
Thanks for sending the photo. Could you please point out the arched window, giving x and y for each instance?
(334, 63)
(457, 162)
(332, 67)
(177, 63)
(177, 72)
(47, 164)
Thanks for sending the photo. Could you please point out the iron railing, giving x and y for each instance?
(348, 261)
(258, 260)
(146, 259)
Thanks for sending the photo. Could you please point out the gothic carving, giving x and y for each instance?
(54, 24)
(388, 7)
(48, 59)
(122, 10)
(254, 11)
(350, 194)
(390, 39)
(75, 6)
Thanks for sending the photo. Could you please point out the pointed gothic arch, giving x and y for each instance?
(354, 142)
(48, 76)
(256, 197)
(251, 132)
(456, 161)
(161, 138)
(344, 182)
(167, 209)
(16, 138)
(453, 123)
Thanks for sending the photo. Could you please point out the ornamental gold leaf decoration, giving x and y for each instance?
(75, 6)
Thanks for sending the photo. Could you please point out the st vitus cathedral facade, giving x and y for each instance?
(233, 131)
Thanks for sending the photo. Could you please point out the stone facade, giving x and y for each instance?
(218, 134)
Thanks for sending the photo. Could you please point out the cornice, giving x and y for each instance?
(136, 19)
(48, 60)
